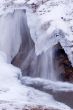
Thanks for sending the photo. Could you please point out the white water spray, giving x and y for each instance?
(47, 66)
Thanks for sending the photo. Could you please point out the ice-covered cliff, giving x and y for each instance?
(54, 24)
(47, 23)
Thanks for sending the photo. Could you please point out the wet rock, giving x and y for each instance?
(64, 96)
(62, 64)
(39, 108)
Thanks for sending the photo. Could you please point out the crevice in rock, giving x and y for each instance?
(62, 64)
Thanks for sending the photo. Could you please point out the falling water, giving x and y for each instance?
(40, 66)
(52, 72)
(46, 69)
(31, 64)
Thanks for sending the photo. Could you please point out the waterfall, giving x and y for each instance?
(53, 75)
(46, 65)
(31, 65)
(39, 66)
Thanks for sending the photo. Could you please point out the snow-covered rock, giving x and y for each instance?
(10, 41)
(12, 92)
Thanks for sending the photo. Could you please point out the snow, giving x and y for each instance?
(19, 1)
(11, 89)
(48, 84)
(32, 1)
(57, 16)
(10, 33)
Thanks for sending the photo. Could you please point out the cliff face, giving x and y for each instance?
(62, 64)
(54, 25)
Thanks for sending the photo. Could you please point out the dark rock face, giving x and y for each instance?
(65, 97)
(27, 46)
(65, 69)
